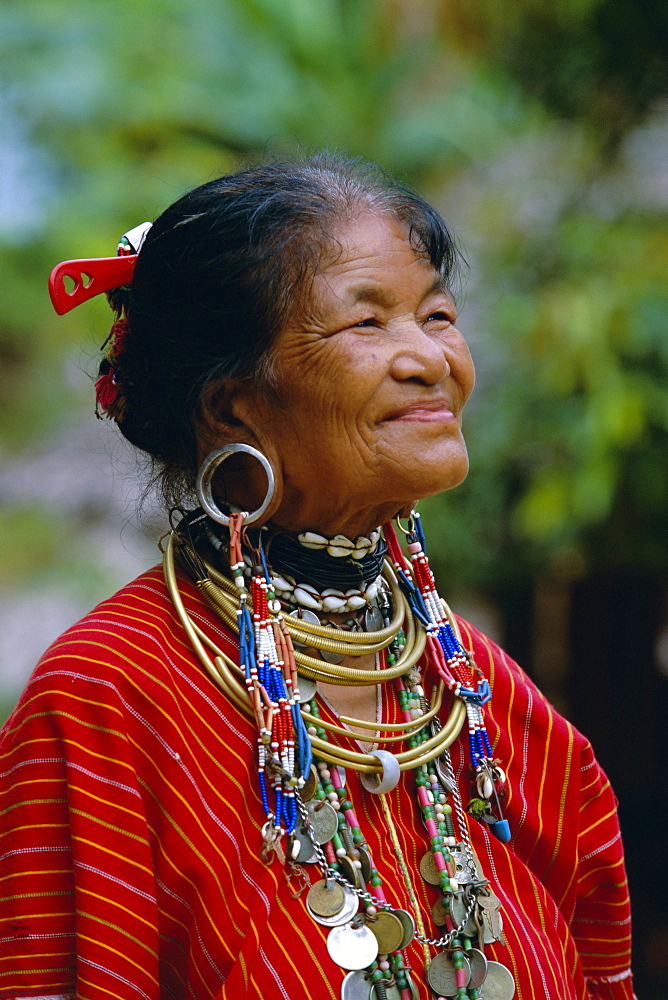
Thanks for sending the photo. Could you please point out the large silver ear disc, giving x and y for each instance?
(389, 778)
(205, 482)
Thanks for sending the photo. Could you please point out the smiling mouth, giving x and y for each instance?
(431, 411)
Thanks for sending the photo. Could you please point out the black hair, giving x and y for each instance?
(219, 275)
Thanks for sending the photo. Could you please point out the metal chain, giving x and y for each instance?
(364, 894)
(330, 873)
(459, 810)
(445, 942)
(463, 839)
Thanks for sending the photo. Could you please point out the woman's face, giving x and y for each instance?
(372, 376)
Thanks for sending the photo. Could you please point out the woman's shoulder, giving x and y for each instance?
(121, 629)
(517, 705)
(489, 656)
(129, 651)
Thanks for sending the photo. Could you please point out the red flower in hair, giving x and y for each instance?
(117, 336)
(108, 395)
(106, 391)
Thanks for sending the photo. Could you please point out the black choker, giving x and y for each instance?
(287, 555)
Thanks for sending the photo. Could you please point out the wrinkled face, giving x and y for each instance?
(372, 377)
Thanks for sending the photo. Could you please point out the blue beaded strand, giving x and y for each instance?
(480, 749)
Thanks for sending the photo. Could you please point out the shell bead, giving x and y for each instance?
(312, 540)
(341, 542)
(389, 777)
(338, 551)
(306, 599)
(333, 604)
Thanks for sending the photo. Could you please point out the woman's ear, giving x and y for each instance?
(232, 412)
(217, 422)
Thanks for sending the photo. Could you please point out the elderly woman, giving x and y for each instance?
(278, 766)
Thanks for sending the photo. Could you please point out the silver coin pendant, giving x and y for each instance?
(343, 916)
(355, 986)
(307, 689)
(323, 818)
(352, 947)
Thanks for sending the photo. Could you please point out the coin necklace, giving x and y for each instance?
(346, 858)
(461, 969)
(451, 864)
(278, 657)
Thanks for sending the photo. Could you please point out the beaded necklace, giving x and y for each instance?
(458, 671)
(297, 797)
(459, 971)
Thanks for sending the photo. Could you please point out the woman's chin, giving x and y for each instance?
(437, 476)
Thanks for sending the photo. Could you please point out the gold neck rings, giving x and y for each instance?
(222, 597)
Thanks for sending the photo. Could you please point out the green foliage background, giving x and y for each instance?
(513, 120)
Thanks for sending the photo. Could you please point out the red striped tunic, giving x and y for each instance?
(130, 840)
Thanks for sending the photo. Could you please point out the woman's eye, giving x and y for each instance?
(440, 316)
(370, 321)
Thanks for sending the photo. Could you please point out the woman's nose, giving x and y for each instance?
(419, 356)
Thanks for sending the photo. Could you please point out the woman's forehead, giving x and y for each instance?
(375, 261)
(367, 232)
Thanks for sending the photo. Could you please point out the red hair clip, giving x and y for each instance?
(91, 277)
(95, 275)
